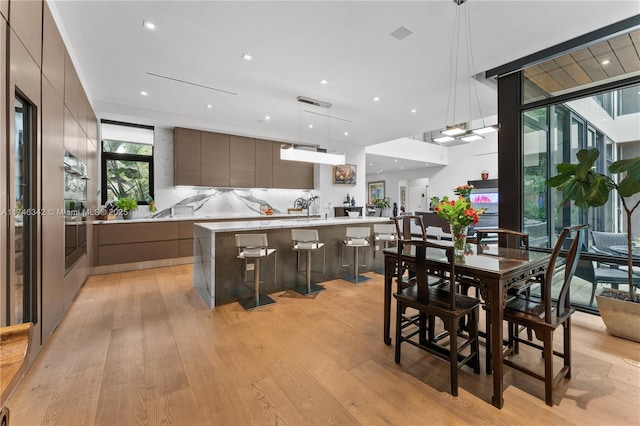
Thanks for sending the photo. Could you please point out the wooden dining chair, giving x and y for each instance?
(545, 316)
(503, 238)
(441, 301)
(404, 228)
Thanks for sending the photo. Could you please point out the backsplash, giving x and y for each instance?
(210, 201)
(216, 202)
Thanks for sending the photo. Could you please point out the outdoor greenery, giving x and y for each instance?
(127, 177)
(581, 184)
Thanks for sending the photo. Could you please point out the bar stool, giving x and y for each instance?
(254, 246)
(383, 233)
(356, 237)
(306, 240)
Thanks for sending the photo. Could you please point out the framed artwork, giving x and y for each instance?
(376, 191)
(344, 174)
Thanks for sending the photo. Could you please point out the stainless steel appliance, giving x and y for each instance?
(75, 200)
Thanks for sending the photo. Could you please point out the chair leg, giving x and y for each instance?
(567, 346)
(473, 334)
(423, 325)
(593, 292)
(399, 309)
(453, 354)
(548, 367)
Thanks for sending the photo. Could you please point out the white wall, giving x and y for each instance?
(211, 200)
(466, 162)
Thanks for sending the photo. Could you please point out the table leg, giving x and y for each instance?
(496, 296)
(389, 266)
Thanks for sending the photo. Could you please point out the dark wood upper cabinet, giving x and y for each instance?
(215, 159)
(188, 156)
(228, 161)
(264, 163)
(242, 156)
(290, 174)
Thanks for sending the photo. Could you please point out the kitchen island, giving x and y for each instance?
(217, 273)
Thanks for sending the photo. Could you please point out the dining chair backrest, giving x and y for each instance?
(425, 267)
(506, 237)
(573, 256)
(403, 226)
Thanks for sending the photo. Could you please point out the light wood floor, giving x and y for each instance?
(142, 348)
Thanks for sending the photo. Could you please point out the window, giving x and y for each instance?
(127, 162)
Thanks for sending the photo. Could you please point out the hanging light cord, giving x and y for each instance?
(473, 66)
(453, 80)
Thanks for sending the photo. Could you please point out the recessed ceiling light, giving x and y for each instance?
(395, 159)
(426, 164)
(346, 133)
(247, 57)
(209, 106)
(267, 117)
(323, 81)
(149, 25)
(311, 126)
(376, 99)
(401, 168)
(605, 62)
(413, 111)
(143, 93)
(371, 164)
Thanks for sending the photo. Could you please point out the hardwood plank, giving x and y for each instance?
(142, 348)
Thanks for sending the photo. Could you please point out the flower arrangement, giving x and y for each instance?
(457, 212)
(460, 215)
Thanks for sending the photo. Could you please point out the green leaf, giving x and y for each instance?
(586, 160)
(630, 185)
(558, 180)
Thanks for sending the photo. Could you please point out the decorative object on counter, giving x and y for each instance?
(127, 205)
(584, 186)
(344, 174)
(108, 212)
(460, 215)
(305, 203)
(484, 174)
(152, 205)
(395, 209)
(353, 201)
(266, 209)
(347, 201)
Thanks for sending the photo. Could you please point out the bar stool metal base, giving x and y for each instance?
(305, 289)
(357, 279)
(252, 302)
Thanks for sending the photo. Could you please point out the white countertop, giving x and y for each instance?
(291, 223)
(231, 216)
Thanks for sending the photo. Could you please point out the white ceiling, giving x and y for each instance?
(296, 44)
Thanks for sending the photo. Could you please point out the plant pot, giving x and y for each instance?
(127, 215)
(621, 317)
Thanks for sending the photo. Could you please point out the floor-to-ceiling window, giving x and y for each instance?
(555, 103)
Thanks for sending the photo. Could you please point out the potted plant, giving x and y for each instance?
(460, 215)
(126, 205)
(581, 184)
(381, 203)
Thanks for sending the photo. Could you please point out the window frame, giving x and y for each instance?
(105, 156)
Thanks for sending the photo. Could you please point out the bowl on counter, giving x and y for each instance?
(354, 214)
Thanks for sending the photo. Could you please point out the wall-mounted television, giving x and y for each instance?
(484, 198)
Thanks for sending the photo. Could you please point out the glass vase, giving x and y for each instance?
(459, 237)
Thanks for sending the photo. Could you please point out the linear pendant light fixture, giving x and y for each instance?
(305, 152)
(310, 154)
(460, 131)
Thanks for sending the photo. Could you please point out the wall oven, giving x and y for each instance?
(75, 200)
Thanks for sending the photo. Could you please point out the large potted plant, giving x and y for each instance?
(581, 184)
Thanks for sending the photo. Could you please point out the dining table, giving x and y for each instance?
(495, 270)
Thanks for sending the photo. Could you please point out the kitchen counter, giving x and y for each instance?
(218, 275)
(221, 217)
